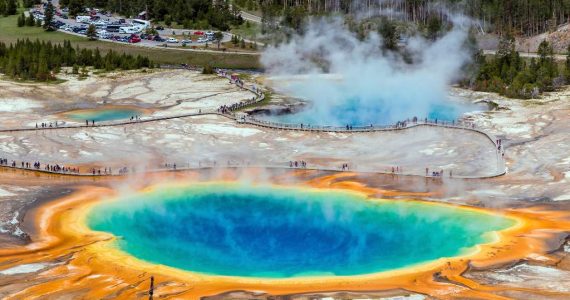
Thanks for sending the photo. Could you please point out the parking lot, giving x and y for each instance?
(121, 30)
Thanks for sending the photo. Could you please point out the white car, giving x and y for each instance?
(103, 35)
(202, 40)
(172, 40)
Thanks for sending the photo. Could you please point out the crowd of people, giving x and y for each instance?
(234, 79)
(298, 164)
(49, 124)
(439, 173)
(170, 166)
(397, 170)
(38, 166)
(226, 109)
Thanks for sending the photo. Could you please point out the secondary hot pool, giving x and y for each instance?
(112, 113)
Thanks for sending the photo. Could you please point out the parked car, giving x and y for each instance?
(159, 28)
(134, 39)
(103, 34)
(186, 41)
(158, 38)
(79, 28)
(172, 40)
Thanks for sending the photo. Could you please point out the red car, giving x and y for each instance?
(134, 39)
(198, 33)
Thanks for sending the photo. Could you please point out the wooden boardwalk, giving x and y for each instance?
(247, 120)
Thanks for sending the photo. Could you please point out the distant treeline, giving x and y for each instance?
(197, 14)
(27, 60)
(8, 7)
(508, 74)
(520, 16)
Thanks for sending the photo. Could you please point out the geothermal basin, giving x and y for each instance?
(106, 113)
(281, 232)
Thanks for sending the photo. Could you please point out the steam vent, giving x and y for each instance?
(271, 150)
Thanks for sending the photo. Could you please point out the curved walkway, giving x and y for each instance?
(238, 166)
(231, 113)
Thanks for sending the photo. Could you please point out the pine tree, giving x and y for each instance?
(3, 8)
(97, 59)
(21, 20)
(11, 7)
(49, 14)
(91, 32)
(389, 35)
(43, 73)
(40, 60)
(30, 20)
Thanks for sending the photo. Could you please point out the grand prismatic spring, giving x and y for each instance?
(343, 170)
(292, 232)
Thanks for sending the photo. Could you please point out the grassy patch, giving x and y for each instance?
(10, 33)
(52, 82)
(265, 101)
(250, 32)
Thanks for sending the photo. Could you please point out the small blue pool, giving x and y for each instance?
(104, 114)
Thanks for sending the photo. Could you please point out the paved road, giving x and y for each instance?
(526, 54)
(146, 45)
(250, 17)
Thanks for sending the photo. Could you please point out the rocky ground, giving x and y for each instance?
(535, 133)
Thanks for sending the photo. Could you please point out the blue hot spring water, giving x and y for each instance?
(103, 114)
(228, 229)
(352, 112)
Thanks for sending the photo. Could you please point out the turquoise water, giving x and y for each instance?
(105, 114)
(353, 113)
(228, 229)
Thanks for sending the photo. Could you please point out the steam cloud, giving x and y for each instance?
(364, 85)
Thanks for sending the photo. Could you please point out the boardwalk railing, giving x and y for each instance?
(231, 112)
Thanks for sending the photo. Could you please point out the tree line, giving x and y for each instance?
(198, 14)
(41, 61)
(8, 7)
(525, 17)
(508, 74)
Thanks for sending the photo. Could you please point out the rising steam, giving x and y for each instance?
(366, 85)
